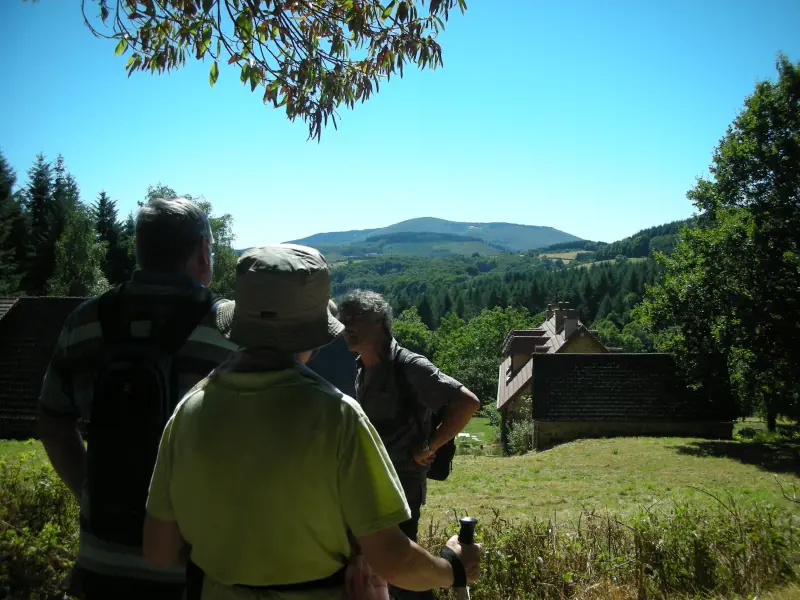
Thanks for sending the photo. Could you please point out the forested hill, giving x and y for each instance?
(410, 244)
(662, 238)
(466, 285)
(509, 236)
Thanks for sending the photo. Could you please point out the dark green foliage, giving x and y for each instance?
(66, 194)
(661, 238)
(46, 223)
(127, 244)
(469, 284)
(79, 257)
(412, 333)
(732, 285)
(117, 266)
(13, 232)
(51, 243)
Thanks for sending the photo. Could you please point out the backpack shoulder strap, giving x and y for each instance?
(113, 322)
(185, 322)
(405, 390)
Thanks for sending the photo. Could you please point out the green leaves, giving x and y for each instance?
(121, 47)
(214, 74)
(309, 46)
(205, 42)
(244, 27)
(255, 79)
(402, 12)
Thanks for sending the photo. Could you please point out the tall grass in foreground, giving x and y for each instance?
(683, 551)
(38, 529)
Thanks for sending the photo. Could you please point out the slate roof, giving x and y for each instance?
(6, 304)
(549, 338)
(29, 330)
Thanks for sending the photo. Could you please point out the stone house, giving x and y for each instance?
(579, 388)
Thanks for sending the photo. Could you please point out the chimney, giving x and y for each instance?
(560, 313)
(570, 322)
(549, 312)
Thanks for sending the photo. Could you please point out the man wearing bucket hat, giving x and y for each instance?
(265, 469)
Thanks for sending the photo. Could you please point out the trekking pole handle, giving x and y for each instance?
(466, 534)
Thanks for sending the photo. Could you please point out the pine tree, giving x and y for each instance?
(460, 308)
(10, 218)
(64, 188)
(39, 204)
(447, 304)
(426, 312)
(115, 265)
(127, 242)
(606, 307)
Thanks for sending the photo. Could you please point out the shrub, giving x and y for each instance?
(520, 437)
(38, 529)
(683, 552)
(518, 425)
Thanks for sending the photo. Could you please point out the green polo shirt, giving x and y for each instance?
(264, 474)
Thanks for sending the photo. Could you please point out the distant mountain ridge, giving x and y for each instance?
(413, 243)
(509, 236)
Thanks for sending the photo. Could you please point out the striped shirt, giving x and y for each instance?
(67, 391)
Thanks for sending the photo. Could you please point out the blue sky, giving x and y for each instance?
(594, 117)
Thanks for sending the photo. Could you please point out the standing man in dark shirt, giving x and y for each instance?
(336, 362)
(367, 318)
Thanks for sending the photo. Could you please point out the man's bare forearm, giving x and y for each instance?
(405, 564)
(65, 449)
(458, 414)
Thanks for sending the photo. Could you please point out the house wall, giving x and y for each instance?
(583, 345)
(591, 395)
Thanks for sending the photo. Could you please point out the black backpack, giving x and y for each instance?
(135, 393)
(442, 464)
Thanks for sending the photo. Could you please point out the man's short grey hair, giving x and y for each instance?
(168, 231)
(368, 302)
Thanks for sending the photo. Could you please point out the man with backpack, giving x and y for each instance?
(122, 363)
(415, 408)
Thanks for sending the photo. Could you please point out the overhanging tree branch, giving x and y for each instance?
(299, 51)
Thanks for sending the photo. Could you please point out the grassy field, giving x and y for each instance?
(565, 256)
(12, 449)
(481, 428)
(621, 474)
(605, 262)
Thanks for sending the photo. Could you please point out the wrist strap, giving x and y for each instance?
(459, 574)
